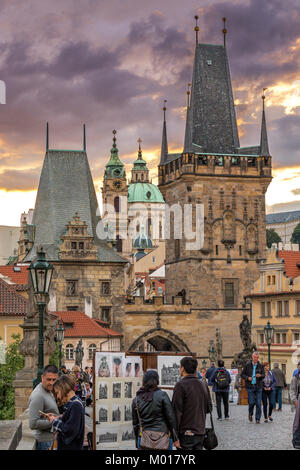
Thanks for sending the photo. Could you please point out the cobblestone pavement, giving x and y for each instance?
(238, 433)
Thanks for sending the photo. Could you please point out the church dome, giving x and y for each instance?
(144, 192)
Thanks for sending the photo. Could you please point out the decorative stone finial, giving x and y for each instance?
(224, 31)
(196, 28)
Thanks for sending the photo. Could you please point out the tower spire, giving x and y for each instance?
(188, 94)
(224, 31)
(164, 141)
(47, 137)
(84, 138)
(196, 28)
(264, 146)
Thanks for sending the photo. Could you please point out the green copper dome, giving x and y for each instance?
(142, 242)
(144, 192)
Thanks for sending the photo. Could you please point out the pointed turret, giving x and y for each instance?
(188, 136)
(264, 146)
(211, 121)
(114, 168)
(164, 141)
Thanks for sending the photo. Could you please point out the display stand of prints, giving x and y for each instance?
(168, 368)
(116, 381)
(2, 352)
(233, 393)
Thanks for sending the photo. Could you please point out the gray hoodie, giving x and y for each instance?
(41, 400)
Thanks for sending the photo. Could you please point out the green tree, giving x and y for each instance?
(296, 235)
(54, 358)
(272, 237)
(14, 362)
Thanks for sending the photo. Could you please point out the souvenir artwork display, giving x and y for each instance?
(117, 379)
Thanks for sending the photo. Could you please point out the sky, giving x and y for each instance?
(111, 64)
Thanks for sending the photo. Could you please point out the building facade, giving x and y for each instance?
(276, 298)
(284, 223)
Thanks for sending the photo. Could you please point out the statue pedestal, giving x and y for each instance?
(243, 396)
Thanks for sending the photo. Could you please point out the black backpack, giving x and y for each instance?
(221, 379)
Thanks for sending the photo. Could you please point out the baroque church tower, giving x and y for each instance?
(114, 193)
(230, 182)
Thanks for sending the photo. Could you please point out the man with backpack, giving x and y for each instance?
(220, 381)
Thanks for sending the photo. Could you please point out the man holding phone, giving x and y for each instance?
(42, 402)
(254, 373)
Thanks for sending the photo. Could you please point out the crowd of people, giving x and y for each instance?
(58, 405)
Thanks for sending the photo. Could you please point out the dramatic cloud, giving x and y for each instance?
(111, 65)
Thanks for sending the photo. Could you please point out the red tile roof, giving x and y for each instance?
(11, 303)
(291, 258)
(18, 277)
(84, 326)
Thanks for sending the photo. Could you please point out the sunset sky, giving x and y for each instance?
(110, 65)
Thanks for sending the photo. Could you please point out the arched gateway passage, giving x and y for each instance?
(159, 340)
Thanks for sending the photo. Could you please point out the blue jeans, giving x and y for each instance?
(278, 397)
(43, 445)
(268, 395)
(254, 399)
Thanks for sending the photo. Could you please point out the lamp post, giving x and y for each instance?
(269, 331)
(204, 364)
(41, 274)
(60, 334)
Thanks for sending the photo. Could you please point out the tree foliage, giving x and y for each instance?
(272, 237)
(54, 358)
(14, 362)
(296, 235)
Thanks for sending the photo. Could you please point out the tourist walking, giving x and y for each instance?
(191, 402)
(268, 392)
(152, 411)
(254, 373)
(280, 385)
(294, 389)
(71, 425)
(209, 373)
(42, 400)
(78, 377)
(221, 380)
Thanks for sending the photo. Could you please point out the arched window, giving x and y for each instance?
(149, 226)
(69, 351)
(117, 204)
(92, 348)
(119, 244)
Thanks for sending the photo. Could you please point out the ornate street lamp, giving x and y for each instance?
(204, 363)
(41, 274)
(269, 331)
(60, 334)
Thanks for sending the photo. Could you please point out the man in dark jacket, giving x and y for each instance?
(191, 402)
(280, 385)
(221, 380)
(254, 373)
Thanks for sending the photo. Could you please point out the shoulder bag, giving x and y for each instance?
(152, 439)
(210, 439)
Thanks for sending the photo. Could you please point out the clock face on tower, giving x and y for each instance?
(117, 184)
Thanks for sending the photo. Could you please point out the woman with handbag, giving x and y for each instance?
(70, 426)
(153, 416)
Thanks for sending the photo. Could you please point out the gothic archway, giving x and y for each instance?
(161, 340)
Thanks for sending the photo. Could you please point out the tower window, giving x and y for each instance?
(105, 288)
(240, 250)
(117, 204)
(177, 249)
(74, 245)
(72, 287)
(81, 245)
(105, 314)
(119, 244)
(217, 250)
